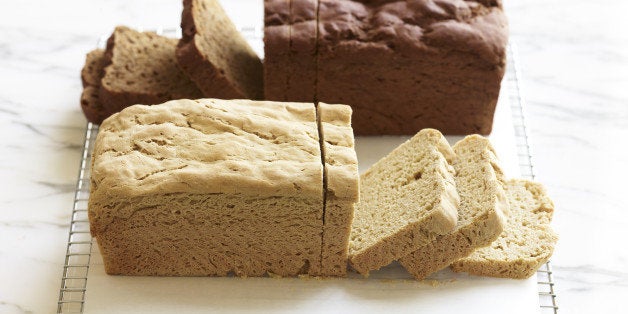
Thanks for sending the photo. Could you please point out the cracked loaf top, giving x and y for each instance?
(209, 146)
(412, 26)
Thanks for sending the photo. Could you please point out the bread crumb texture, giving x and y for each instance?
(406, 200)
(527, 241)
(481, 219)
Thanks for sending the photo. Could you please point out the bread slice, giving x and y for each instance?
(92, 71)
(277, 57)
(527, 241)
(209, 187)
(141, 69)
(341, 185)
(215, 55)
(303, 38)
(91, 74)
(481, 218)
(407, 199)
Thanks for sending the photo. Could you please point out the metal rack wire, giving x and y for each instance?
(79, 246)
(78, 253)
(547, 295)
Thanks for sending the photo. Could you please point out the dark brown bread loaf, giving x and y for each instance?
(406, 65)
(215, 55)
(141, 69)
(91, 74)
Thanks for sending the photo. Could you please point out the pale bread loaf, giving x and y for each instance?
(209, 187)
(527, 241)
(479, 181)
(407, 199)
(341, 185)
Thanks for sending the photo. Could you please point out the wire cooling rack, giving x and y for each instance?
(79, 246)
(547, 295)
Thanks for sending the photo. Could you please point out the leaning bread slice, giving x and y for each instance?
(407, 199)
(215, 55)
(342, 185)
(527, 241)
(481, 219)
(141, 70)
(91, 74)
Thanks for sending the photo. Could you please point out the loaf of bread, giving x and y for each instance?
(215, 187)
(481, 215)
(213, 53)
(527, 241)
(91, 74)
(407, 199)
(401, 65)
(341, 185)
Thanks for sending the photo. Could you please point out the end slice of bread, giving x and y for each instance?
(214, 54)
(527, 242)
(481, 218)
(407, 199)
(342, 185)
(91, 74)
(141, 69)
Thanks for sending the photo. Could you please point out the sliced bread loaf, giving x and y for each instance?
(215, 55)
(341, 185)
(527, 241)
(407, 199)
(91, 74)
(141, 69)
(481, 219)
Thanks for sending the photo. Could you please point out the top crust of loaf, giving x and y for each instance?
(406, 200)
(209, 146)
(215, 55)
(477, 27)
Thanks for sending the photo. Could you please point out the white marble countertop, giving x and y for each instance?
(574, 57)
